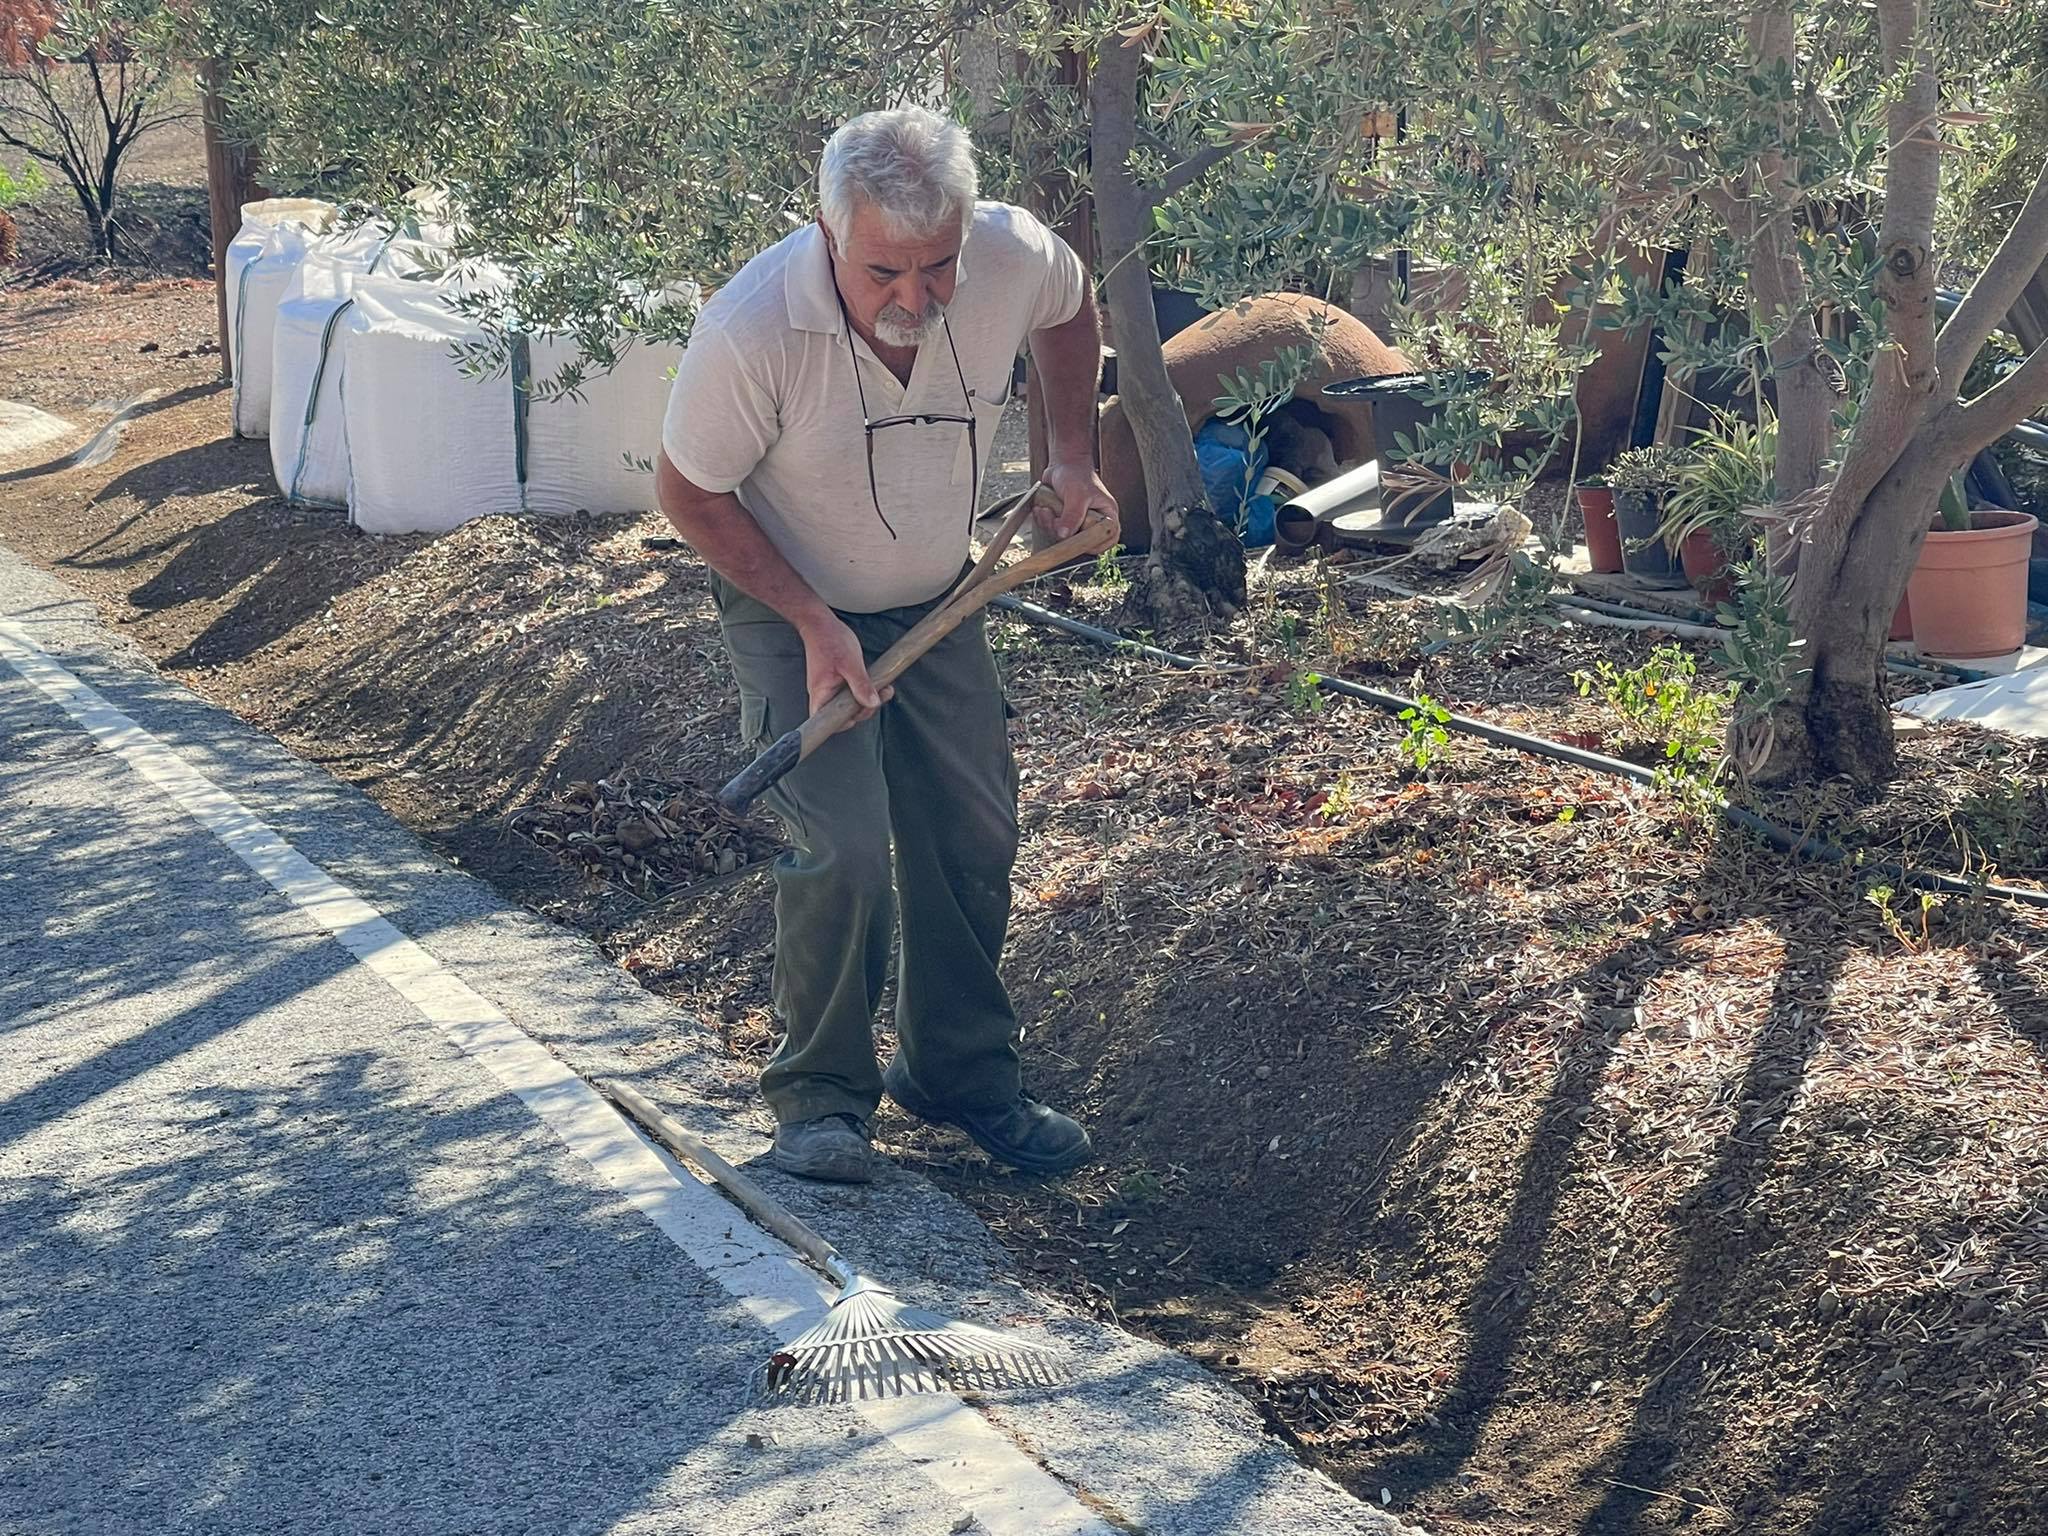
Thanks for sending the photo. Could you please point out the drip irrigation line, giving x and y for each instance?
(1786, 841)
(1922, 666)
(1697, 616)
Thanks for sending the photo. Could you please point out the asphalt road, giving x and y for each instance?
(308, 1222)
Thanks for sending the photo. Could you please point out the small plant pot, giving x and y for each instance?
(1603, 534)
(1706, 567)
(1969, 590)
(1647, 559)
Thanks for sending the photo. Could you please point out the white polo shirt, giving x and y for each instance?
(765, 405)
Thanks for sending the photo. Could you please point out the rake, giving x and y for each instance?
(870, 1344)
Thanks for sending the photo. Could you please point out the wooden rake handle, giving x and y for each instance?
(758, 1203)
(976, 589)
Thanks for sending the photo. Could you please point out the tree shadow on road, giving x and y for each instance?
(270, 1254)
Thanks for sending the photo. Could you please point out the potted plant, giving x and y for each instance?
(1603, 536)
(1728, 474)
(1968, 593)
(1641, 478)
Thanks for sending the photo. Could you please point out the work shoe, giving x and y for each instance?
(1024, 1133)
(832, 1147)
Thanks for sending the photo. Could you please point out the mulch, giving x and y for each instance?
(652, 838)
(1521, 1142)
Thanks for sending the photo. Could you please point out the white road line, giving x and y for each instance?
(970, 1461)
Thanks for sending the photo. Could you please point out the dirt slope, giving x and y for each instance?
(1528, 1151)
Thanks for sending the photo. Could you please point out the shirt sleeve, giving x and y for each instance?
(1060, 288)
(721, 419)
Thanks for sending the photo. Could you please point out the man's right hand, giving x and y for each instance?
(833, 659)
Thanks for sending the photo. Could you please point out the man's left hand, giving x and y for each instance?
(1080, 490)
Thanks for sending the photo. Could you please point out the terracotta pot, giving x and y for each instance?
(1969, 591)
(1706, 567)
(1603, 535)
(1902, 620)
(1648, 560)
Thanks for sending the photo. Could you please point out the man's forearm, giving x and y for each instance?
(725, 534)
(1068, 357)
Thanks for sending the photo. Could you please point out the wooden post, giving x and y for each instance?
(230, 182)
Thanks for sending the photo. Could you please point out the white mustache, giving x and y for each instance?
(899, 327)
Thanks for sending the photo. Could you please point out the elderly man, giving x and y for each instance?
(822, 451)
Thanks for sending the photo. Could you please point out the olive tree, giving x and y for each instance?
(80, 82)
(1805, 151)
(600, 152)
(1232, 150)
(1864, 452)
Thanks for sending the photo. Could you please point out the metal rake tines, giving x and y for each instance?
(872, 1345)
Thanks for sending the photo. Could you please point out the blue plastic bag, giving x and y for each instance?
(1230, 468)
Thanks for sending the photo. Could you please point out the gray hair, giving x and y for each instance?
(915, 166)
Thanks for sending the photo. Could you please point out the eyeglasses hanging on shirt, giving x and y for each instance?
(870, 425)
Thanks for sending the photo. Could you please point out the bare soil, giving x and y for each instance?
(1526, 1147)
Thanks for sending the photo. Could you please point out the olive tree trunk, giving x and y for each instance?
(232, 179)
(1195, 572)
(1861, 532)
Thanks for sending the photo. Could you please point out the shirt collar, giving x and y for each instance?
(813, 302)
(807, 282)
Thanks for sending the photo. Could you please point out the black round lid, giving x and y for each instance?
(1373, 384)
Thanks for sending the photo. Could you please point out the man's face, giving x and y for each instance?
(893, 287)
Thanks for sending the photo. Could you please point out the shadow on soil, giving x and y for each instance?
(150, 407)
(266, 566)
(1733, 1249)
(1846, 1431)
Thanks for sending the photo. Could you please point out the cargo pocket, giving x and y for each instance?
(756, 737)
(753, 721)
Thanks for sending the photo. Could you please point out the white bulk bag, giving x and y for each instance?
(430, 448)
(274, 233)
(578, 450)
(308, 440)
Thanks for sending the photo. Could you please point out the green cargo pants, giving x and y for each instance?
(928, 785)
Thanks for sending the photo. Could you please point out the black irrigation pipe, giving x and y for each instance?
(1785, 841)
